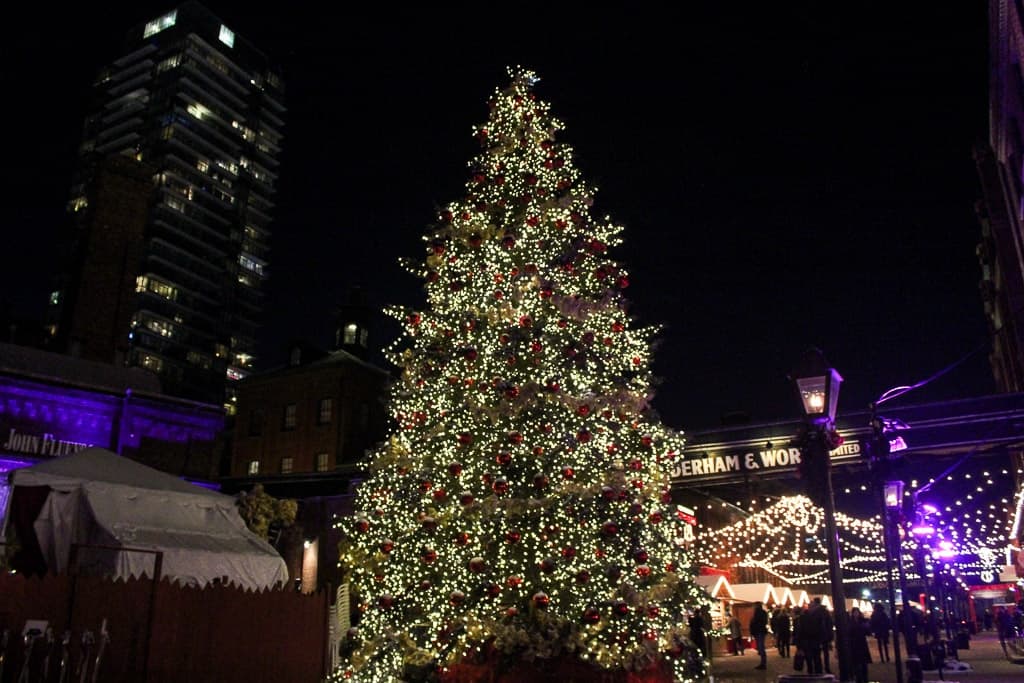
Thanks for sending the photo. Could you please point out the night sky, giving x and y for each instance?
(786, 178)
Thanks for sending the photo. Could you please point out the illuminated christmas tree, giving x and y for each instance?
(521, 509)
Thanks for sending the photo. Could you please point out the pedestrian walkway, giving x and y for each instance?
(985, 657)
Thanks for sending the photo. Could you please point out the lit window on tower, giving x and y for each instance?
(227, 36)
(157, 25)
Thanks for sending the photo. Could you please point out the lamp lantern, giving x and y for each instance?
(818, 386)
(893, 492)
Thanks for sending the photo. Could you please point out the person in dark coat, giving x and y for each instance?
(860, 652)
(782, 629)
(813, 626)
(698, 632)
(759, 632)
(881, 626)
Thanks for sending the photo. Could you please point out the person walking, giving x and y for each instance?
(736, 635)
(812, 635)
(1006, 628)
(826, 643)
(783, 630)
(881, 626)
(759, 632)
(698, 632)
(860, 652)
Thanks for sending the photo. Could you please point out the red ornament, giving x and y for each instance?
(515, 437)
(620, 608)
(362, 525)
(643, 571)
(582, 576)
(568, 552)
(386, 601)
(465, 438)
(583, 410)
(493, 590)
(583, 436)
(609, 528)
(457, 597)
(568, 472)
(656, 518)
(540, 481)
(477, 565)
(636, 465)
(500, 486)
(513, 581)
(525, 321)
(623, 282)
(440, 494)
(541, 600)
(425, 485)
(466, 498)
(513, 537)
(429, 524)
(508, 241)
(512, 611)
(646, 440)
(455, 469)
(503, 458)
(428, 555)
(462, 538)
(425, 584)
(387, 546)
(548, 565)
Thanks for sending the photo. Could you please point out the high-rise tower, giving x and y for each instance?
(168, 252)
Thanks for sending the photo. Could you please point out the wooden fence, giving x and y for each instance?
(161, 632)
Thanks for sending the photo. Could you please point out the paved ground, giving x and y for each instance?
(985, 656)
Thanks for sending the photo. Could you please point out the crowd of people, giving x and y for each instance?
(807, 634)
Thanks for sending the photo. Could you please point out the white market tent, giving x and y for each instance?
(764, 593)
(786, 597)
(98, 497)
(716, 586)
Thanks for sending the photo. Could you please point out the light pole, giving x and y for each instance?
(817, 386)
(893, 499)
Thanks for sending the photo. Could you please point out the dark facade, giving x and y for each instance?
(301, 432)
(167, 249)
(1001, 210)
(1001, 170)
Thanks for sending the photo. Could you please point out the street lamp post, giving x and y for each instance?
(893, 499)
(817, 385)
